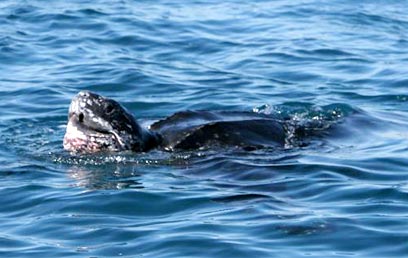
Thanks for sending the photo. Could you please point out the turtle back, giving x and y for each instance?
(202, 129)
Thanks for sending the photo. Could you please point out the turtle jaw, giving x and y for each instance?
(81, 139)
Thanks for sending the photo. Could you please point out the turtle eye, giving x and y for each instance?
(109, 108)
(81, 117)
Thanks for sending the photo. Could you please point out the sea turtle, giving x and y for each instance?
(97, 123)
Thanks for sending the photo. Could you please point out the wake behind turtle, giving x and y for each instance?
(97, 123)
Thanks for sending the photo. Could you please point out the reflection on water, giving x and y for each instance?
(106, 178)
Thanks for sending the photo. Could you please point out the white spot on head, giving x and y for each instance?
(83, 93)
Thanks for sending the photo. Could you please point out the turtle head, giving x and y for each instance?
(96, 123)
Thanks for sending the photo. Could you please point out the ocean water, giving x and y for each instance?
(343, 63)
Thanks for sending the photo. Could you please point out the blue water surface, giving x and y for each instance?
(344, 194)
